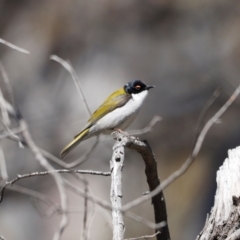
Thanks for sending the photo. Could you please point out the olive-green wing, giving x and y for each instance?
(115, 100)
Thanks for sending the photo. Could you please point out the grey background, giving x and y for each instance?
(186, 48)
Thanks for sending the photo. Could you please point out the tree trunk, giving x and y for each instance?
(224, 219)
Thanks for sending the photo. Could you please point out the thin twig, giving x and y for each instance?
(90, 222)
(76, 81)
(5, 116)
(144, 130)
(148, 128)
(104, 204)
(36, 195)
(73, 164)
(85, 213)
(14, 46)
(10, 132)
(7, 83)
(190, 159)
(144, 237)
(201, 119)
(33, 174)
(58, 179)
(144, 221)
(3, 167)
(2, 238)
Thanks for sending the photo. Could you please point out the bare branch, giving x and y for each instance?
(158, 201)
(76, 163)
(201, 119)
(5, 116)
(116, 166)
(190, 159)
(59, 181)
(85, 213)
(148, 128)
(19, 49)
(10, 133)
(144, 237)
(7, 83)
(36, 195)
(2, 238)
(104, 204)
(3, 167)
(144, 221)
(33, 174)
(76, 81)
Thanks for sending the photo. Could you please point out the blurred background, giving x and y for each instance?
(187, 49)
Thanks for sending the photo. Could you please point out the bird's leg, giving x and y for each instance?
(121, 131)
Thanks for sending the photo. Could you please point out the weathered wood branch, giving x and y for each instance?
(158, 201)
(116, 166)
(224, 219)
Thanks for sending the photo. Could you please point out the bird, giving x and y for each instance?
(116, 113)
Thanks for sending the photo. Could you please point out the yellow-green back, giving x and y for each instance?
(115, 100)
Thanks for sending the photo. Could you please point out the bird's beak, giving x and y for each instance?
(150, 86)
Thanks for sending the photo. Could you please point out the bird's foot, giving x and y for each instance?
(121, 131)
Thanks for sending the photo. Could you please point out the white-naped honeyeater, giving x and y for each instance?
(116, 113)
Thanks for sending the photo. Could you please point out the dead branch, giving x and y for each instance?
(148, 128)
(69, 68)
(13, 110)
(2, 238)
(158, 201)
(53, 207)
(34, 174)
(116, 166)
(144, 237)
(19, 49)
(73, 164)
(59, 181)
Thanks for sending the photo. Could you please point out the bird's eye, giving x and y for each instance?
(137, 87)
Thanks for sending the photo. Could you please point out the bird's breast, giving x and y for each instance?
(121, 117)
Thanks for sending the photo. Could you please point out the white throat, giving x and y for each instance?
(140, 97)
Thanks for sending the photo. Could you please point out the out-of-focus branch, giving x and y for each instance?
(201, 119)
(104, 204)
(70, 69)
(3, 167)
(190, 159)
(58, 179)
(116, 166)
(77, 83)
(28, 141)
(144, 237)
(143, 148)
(144, 221)
(7, 84)
(148, 128)
(19, 49)
(53, 207)
(2, 238)
(34, 174)
(73, 164)
(5, 116)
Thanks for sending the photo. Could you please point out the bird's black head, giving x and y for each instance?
(136, 86)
